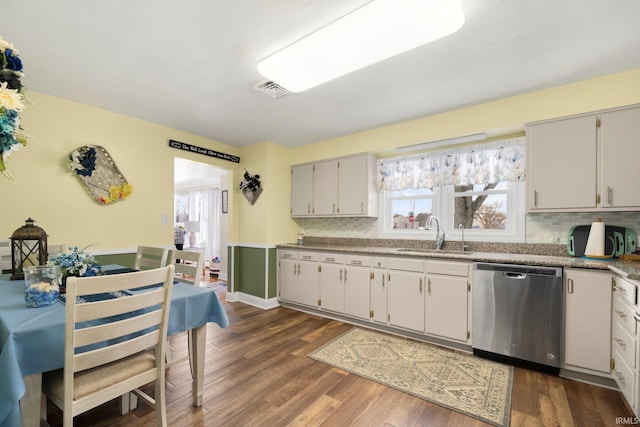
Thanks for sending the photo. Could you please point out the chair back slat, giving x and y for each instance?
(188, 265)
(149, 257)
(127, 304)
(99, 333)
(111, 353)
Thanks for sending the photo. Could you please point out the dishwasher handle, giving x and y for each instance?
(515, 276)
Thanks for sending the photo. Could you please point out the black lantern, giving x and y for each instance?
(28, 248)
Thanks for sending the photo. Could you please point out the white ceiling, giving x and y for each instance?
(191, 64)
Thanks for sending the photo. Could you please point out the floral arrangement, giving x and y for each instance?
(116, 192)
(77, 262)
(83, 160)
(251, 182)
(12, 102)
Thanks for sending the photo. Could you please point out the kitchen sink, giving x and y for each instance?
(433, 251)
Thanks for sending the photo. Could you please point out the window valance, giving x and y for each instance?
(495, 161)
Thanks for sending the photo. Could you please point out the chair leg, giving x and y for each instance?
(160, 407)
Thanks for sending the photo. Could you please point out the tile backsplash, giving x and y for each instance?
(540, 227)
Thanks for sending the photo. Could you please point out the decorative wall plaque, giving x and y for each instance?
(96, 169)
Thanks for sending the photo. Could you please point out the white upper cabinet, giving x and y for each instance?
(585, 162)
(620, 135)
(342, 186)
(301, 190)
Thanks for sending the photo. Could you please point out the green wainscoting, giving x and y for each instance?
(126, 260)
(252, 277)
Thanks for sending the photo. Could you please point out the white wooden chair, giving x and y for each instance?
(55, 250)
(150, 257)
(119, 360)
(188, 270)
(190, 266)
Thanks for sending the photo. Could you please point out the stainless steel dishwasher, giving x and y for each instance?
(517, 314)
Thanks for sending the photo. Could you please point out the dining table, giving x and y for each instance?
(32, 342)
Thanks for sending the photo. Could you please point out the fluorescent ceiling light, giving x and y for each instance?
(443, 142)
(376, 31)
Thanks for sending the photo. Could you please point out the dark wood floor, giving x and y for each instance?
(258, 374)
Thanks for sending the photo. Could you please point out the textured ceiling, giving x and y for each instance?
(191, 65)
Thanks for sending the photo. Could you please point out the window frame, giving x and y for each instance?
(443, 208)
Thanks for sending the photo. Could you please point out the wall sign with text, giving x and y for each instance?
(204, 151)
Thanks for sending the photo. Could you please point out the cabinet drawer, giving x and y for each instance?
(287, 254)
(624, 344)
(406, 264)
(357, 260)
(308, 256)
(625, 378)
(379, 262)
(332, 258)
(623, 314)
(448, 268)
(626, 290)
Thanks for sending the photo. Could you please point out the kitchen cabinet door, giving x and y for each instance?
(620, 135)
(379, 296)
(447, 307)
(302, 190)
(357, 195)
(325, 188)
(331, 285)
(587, 321)
(406, 300)
(288, 279)
(561, 170)
(357, 282)
(307, 292)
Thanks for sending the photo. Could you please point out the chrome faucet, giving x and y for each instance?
(439, 238)
(461, 228)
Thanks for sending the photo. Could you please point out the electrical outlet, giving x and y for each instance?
(164, 219)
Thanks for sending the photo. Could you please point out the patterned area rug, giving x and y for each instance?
(464, 383)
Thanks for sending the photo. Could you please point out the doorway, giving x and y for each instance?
(198, 212)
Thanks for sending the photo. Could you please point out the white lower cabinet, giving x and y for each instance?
(357, 284)
(624, 340)
(587, 321)
(378, 284)
(406, 283)
(298, 277)
(447, 303)
(331, 282)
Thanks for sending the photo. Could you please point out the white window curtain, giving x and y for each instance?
(213, 227)
(491, 162)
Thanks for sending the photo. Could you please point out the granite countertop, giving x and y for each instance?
(627, 269)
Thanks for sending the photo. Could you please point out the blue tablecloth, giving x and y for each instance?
(32, 339)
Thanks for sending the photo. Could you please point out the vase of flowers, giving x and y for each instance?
(41, 286)
(76, 262)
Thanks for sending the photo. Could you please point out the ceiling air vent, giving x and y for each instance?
(272, 89)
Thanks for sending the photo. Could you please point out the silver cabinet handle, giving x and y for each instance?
(535, 198)
(341, 275)
(609, 195)
(619, 376)
(570, 286)
(421, 285)
(620, 342)
(345, 274)
(621, 314)
(429, 286)
(383, 281)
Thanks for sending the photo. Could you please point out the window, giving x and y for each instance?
(486, 212)
(449, 184)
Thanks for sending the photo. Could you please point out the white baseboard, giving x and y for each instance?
(265, 304)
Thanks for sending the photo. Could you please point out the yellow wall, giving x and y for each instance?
(48, 192)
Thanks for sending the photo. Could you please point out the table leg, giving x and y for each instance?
(30, 402)
(197, 341)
